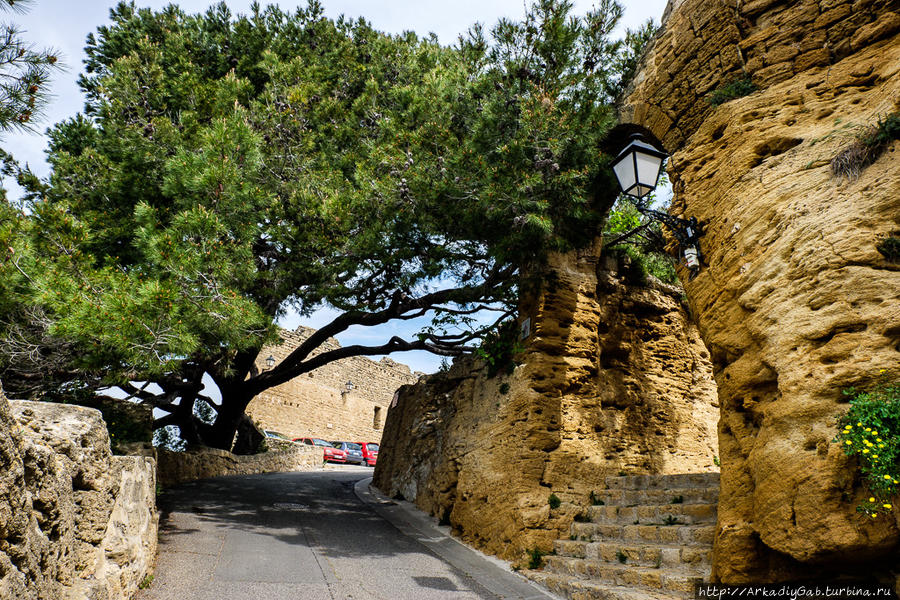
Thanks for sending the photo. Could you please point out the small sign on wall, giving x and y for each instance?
(526, 328)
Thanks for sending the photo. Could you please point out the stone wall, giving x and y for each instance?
(795, 303)
(613, 379)
(202, 463)
(318, 404)
(76, 522)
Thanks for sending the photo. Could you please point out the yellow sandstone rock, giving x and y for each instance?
(795, 303)
(613, 378)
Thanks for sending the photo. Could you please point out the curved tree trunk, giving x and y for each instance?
(234, 403)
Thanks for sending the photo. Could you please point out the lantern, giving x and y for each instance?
(637, 167)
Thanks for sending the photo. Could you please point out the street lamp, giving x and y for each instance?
(270, 362)
(637, 168)
(349, 385)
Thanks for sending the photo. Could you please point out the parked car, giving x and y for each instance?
(276, 436)
(332, 454)
(370, 452)
(353, 450)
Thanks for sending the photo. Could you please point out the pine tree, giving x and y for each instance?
(228, 169)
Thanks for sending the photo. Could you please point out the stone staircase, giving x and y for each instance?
(651, 539)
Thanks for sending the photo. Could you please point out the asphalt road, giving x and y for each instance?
(310, 536)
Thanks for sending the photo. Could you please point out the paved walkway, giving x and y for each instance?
(310, 536)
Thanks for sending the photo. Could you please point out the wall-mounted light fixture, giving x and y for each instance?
(637, 168)
(349, 386)
(270, 362)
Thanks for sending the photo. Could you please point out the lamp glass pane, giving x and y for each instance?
(624, 170)
(648, 170)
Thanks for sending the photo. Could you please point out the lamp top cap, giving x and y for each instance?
(638, 140)
(623, 134)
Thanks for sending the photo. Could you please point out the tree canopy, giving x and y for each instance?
(228, 169)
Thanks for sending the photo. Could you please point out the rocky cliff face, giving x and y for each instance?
(613, 378)
(75, 521)
(795, 303)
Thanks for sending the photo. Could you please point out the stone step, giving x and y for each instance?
(678, 582)
(658, 497)
(644, 555)
(662, 482)
(576, 588)
(658, 534)
(689, 514)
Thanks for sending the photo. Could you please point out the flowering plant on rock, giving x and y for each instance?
(871, 432)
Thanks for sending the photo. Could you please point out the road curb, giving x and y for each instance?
(488, 571)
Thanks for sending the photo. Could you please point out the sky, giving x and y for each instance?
(64, 24)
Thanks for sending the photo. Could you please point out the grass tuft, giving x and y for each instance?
(743, 86)
(865, 149)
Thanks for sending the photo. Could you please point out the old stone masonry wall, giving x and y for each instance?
(795, 302)
(76, 522)
(318, 403)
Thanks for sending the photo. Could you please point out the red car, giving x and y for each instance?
(370, 452)
(332, 454)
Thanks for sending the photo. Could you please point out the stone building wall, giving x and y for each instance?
(318, 404)
(794, 302)
(75, 521)
(613, 378)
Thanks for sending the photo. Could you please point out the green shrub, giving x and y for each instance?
(743, 86)
(535, 558)
(890, 247)
(871, 432)
(499, 347)
(554, 501)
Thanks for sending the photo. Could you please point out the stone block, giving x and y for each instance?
(881, 28)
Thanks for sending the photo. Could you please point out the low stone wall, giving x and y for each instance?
(202, 463)
(76, 522)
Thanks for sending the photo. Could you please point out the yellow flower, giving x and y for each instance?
(877, 439)
(849, 443)
(872, 499)
(868, 429)
(859, 423)
(888, 477)
(866, 451)
(872, 515)
(887, 506)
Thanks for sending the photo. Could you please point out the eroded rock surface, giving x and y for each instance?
(795, 303)
(614, 378)
(75, 521)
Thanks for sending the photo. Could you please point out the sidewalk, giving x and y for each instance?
(490, 572)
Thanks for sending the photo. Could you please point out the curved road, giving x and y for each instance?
(310, 536)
